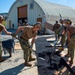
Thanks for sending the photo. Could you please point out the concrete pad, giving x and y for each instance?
(15, 64)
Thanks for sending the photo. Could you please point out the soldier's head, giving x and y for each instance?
(68, 22)
(37, 26)
(1, 18)
(61, 21)
(56, 22)
(64, 21)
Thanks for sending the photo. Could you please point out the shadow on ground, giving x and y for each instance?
(5, 58)
(13, 71)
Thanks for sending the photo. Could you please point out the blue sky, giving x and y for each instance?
(6, 4)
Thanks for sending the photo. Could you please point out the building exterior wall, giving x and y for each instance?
(32, 15)
(12, 16)
(38, 10)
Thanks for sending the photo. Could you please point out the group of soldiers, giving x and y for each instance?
(25, 23)
(2, 28)
(66, 31)
(27, 33)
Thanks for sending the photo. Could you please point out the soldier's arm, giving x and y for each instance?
(63, 32)
(68, 36)
(53, 28)
(19, 29)
(5, 31)
(33, 41)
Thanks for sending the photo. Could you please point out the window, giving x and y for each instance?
(32, 5)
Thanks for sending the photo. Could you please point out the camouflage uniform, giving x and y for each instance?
(63, 40)
(25, 45)
(26, 49)
(1, 28)
(71, 39)
(56, 30)
(0, 49)
(71, 46)
(63, 36)
(56, 33)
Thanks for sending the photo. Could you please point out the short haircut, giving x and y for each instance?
(68, 21)
(1, 17)
(56, 21)
(38, 24)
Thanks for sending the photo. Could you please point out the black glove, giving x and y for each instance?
(60, 34)
(13, 35)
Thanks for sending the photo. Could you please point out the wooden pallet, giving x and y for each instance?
(17, 46)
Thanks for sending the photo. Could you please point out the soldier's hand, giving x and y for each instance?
(60, 34)
(13, 35)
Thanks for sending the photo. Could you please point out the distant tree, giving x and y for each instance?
(4, 23)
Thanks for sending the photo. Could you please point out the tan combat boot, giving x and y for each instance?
(60, 48)
(31, 58)
(1, 59)
(28, 64)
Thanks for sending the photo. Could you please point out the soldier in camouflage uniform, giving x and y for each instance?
(27, 33)
(56, 29)
(62, 34)
(71, 39)
(2, 28)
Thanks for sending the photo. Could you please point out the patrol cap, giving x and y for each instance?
(68, 21)
(1, 17)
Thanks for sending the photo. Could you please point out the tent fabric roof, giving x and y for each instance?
(53, 9)
(56, 9)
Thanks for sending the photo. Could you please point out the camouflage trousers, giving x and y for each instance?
(71, 46)
(0, 50)
(26, 49)
(56, 34)
(63, 40)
